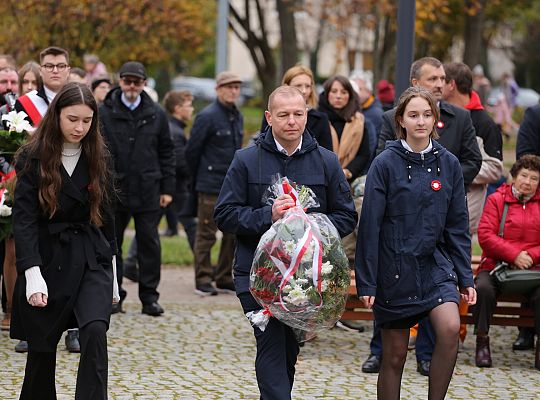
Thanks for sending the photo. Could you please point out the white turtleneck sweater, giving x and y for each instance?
(71, 153)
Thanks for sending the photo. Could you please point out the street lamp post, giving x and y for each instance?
(405, 43)
(221, 41)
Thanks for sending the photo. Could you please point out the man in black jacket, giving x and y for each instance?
(457, 134)
(215, 136)
(137, 134)
(458, 92)
(528, 140)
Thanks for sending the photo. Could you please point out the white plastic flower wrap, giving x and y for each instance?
(300, 273)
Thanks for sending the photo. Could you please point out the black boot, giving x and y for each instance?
(525, 339)
(483, 352)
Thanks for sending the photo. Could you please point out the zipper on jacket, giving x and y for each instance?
(422, 157)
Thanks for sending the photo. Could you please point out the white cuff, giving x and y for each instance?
(115, 292)
(35, 282)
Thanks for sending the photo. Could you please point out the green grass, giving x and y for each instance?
(175, 250)
(252, 121)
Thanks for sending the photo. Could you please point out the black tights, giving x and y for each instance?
(445, 321)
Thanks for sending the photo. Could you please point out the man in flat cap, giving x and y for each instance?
(215, 136)
(137, 134)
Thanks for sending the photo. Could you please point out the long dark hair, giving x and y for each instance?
(353, 105)
(46, 144)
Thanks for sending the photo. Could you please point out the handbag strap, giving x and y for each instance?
(503, 219)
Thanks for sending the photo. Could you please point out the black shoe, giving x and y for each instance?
(153, 309)
(72, 341)
(131, 271)
(525, 340)
(21, 347)
(206, 289)
(422, 366)
(225, 287)
(372, 365)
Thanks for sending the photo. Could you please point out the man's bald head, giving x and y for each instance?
(283, 91)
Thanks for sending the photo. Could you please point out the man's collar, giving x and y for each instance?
(281, 149)
(128, 104)
(49, 93)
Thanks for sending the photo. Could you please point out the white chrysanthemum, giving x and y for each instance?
(17, 122)
(301, 281)
(287, 289)
(297, 296)
(308, 255)
(5, 211)
(290, 246)
(326, 268)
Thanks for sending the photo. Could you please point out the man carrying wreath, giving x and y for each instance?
(288, 149)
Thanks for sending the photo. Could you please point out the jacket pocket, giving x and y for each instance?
(443, 270)
(400, 283)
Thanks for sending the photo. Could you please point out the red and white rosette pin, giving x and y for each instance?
(440, 124)
(436, 185)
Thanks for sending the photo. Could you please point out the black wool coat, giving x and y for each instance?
(142, 149)
(75, 258)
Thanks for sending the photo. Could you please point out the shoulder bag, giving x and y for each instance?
(515, 281)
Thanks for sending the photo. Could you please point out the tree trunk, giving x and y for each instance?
(475, 51)
(256, 41)
(289, 47)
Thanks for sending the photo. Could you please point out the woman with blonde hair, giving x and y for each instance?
(29, 78)
(318, 125)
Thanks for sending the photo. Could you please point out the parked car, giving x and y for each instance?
(201, 88)
(204, 89)
(526, 97)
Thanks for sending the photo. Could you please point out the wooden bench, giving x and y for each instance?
(507, 313)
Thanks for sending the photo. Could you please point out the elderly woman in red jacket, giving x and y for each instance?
(519, 246)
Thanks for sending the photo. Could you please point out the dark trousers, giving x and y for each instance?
(39, 375)
(170, 216)
(486, 301)
(277, 351)
(148, 251)
(190, 226)
(425, 341)
(205, 240)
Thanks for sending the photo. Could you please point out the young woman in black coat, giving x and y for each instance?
(64, 238)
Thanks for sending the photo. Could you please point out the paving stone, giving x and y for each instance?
(203, 348)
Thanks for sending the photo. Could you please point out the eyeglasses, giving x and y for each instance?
(59, 67)
(136, 82)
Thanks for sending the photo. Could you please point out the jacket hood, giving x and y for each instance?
(417, 158)
(266, 141)
(475, 102)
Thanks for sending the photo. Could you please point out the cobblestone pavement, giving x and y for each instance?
(203, 348)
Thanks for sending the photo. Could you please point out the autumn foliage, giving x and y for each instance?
(155, 32)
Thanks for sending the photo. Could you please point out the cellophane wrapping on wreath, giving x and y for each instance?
(300, 273)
